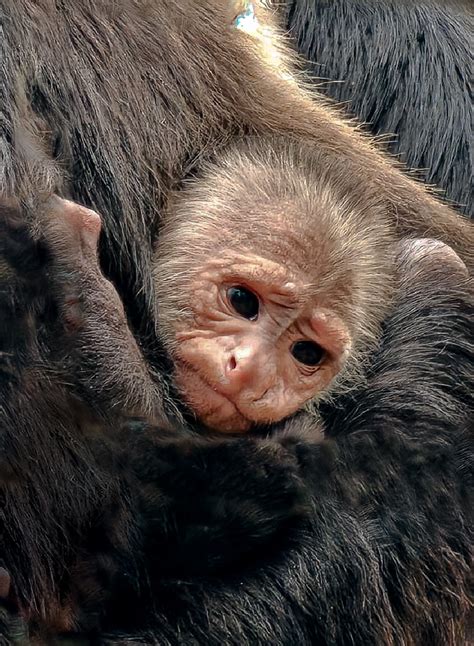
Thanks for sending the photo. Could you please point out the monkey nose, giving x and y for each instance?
(246, 368)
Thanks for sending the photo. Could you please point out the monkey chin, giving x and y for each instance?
(222, 422)
(214, 410)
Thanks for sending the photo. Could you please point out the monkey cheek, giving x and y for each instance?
(239, 412)
(235, 415)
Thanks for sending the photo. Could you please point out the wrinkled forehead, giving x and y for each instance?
(238, 214)
(250, 266)
(254, 201)
(291, 283)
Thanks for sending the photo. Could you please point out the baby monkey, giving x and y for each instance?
(274, 271)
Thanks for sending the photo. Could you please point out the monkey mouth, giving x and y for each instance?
(210, 405)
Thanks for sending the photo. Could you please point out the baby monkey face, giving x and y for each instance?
(253, 346)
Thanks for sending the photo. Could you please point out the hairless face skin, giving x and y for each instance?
(259, 346)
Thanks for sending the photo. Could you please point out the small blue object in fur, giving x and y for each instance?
(247, 20)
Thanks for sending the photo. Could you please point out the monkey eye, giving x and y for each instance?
(244, 302)
(308, 353)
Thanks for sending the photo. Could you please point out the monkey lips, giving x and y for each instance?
(208, 404)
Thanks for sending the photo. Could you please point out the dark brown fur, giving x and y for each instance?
(114, 105)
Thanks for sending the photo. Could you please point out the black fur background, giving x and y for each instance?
(404, 67)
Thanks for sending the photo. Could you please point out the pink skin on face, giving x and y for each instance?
(234, 372)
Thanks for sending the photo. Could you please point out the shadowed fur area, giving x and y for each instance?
(140, 503)
(130, 534)
(405, 69)
(165, 538)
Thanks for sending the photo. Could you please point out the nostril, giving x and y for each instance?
(232, 363)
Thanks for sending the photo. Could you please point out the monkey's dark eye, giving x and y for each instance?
(307, 353)
(244, 302)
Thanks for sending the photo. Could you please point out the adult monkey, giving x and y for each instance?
(123, 166)
(390, 487)
(405, 68)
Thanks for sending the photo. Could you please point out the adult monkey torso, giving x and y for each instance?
(113, 107)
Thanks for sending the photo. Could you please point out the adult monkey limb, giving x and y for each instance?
(380, 476)
(77, 71)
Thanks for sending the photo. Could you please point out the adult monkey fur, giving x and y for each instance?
(169, 496)
(83, 67)
(405, 68)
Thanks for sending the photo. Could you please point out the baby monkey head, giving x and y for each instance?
(265, 279)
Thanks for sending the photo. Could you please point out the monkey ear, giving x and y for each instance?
(245, 17)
